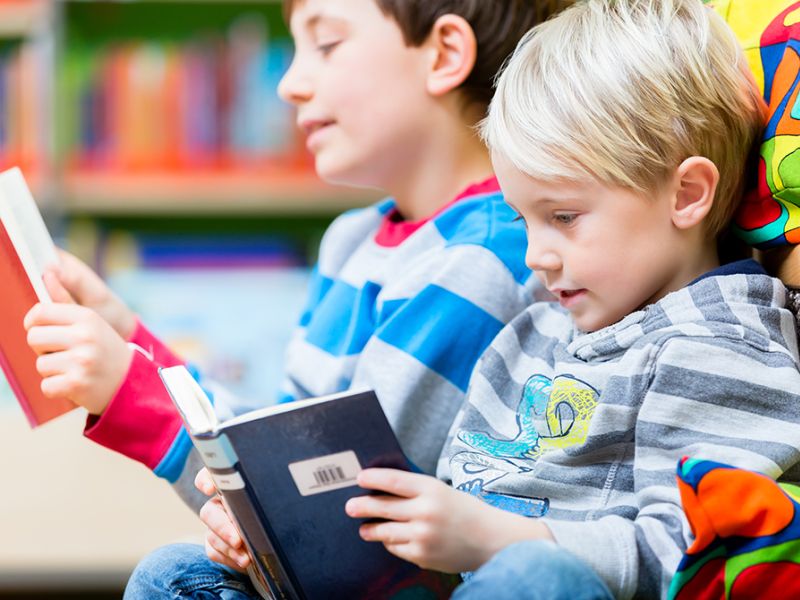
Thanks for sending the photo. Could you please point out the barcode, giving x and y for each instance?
(329, 475)
(325, 473)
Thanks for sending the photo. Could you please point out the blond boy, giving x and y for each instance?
(624, 152)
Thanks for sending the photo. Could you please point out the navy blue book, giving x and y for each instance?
(285, 473)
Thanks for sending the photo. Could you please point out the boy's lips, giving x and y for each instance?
(312, 127)
(568, 298)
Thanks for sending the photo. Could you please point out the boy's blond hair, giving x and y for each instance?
(623, 91)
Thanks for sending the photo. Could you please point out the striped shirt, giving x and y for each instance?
(402, 308)
(586, 430)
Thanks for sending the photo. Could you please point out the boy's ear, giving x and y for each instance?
(696, 181)
(454, 50)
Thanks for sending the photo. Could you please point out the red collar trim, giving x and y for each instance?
(393, 230)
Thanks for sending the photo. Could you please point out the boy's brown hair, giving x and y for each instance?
(498, 26)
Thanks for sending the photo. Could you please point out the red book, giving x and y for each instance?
(25, 250)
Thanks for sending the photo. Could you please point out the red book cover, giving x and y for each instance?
(17, 359)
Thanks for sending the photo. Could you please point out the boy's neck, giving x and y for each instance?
(706, 262)
(449, 159)
(694, 265)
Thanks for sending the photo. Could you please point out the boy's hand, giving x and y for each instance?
(81, 358)
(427, 522)
(433, 525)
(87, 289)
(223, 542)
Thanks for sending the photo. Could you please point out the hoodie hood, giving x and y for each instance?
(748, 307)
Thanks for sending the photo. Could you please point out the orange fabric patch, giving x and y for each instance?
(701, 525)
(743, 503)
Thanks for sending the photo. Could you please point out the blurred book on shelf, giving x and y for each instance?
(208, 102)
(24, 93)
(198, 251)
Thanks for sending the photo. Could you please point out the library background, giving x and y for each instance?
(153, 139)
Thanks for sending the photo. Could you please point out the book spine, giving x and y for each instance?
(220, 459)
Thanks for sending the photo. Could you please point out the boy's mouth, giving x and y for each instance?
(568, 298)
(311, 126)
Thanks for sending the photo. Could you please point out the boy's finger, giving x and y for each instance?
(393, 481)
(53, 363)
(222, 559)
(388, 533)
(216, 518)
(57, 386)
(50, 339)
(238, 556)
(54, 314)
(32, 316)
(57, 291)
(403, 550)
(391, 508)
(79, 279)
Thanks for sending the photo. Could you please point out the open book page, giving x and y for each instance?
(192, 402)
(26, 229)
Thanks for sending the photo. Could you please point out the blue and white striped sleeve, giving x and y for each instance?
(432, 326)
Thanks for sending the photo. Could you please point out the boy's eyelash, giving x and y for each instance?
(565, 218)
(326, 48)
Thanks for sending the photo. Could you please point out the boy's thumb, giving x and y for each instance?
(57, 291)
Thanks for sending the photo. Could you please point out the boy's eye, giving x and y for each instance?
(325, 49)
(565, 218)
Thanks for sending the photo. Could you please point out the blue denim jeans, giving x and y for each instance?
(184, 571)
(536, 570)
(524, 571)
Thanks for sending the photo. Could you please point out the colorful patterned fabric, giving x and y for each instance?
(769, 31)
(747, 535)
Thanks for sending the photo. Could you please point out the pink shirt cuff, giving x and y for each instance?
(154, 347)
(140, 421)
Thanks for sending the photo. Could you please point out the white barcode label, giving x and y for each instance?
(326, 473)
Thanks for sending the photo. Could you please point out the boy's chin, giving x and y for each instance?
(336, 173)
(592, 323)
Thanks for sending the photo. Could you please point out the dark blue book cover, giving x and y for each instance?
(298, 463)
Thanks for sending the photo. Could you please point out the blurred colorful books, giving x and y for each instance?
(208, 102)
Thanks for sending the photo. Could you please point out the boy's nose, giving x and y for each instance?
(538, 258)
(294, 87)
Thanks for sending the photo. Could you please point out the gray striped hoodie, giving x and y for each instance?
(585, 430)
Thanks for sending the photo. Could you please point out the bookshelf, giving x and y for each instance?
(151, 106)
(167, 103)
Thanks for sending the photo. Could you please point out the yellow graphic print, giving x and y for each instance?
(552, 415)
(567, 416)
